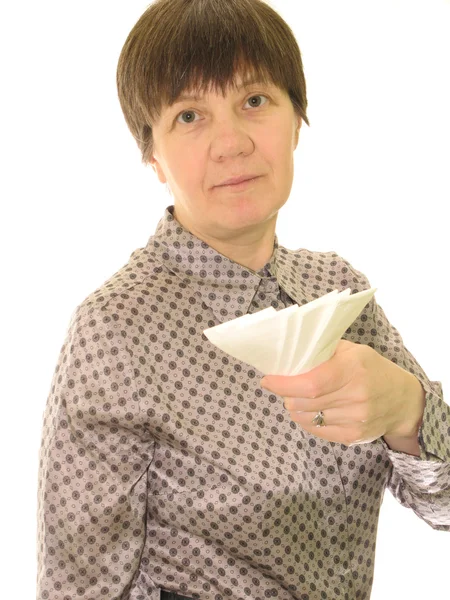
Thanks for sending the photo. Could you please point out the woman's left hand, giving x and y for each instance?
(362, 394)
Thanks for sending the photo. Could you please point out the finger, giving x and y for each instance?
(327, 402)
(330, 416)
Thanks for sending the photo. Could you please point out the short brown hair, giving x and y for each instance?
(190, 45)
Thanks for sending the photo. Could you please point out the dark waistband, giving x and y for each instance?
(172, 596)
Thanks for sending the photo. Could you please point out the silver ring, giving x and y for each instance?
(319, 419)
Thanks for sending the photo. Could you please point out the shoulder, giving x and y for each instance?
(329, 265)
(119, 305)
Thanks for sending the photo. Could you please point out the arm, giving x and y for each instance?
(420, 482)
(91, 493)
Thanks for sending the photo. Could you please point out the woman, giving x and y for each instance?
(166, 471)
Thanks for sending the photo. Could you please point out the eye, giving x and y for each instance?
(184, 112)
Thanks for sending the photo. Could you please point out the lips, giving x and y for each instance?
(235, 180)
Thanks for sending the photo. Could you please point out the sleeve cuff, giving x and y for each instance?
(429, 472)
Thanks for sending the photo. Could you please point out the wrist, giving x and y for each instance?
(412, 410)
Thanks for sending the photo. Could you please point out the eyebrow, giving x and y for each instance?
(246, 83)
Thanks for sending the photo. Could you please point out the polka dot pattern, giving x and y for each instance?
(165, 466)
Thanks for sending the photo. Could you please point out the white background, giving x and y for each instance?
(371, 183)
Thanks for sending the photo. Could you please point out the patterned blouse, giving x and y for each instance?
(165, 465)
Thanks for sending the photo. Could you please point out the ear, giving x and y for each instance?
(297, 131)
(158, 170)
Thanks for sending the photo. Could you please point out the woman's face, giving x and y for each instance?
(198, 144)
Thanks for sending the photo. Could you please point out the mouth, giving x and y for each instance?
(239, 186)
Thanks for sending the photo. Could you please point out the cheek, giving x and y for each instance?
(277, 150)
(187, 171)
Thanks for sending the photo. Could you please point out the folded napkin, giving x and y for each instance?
(293, 340)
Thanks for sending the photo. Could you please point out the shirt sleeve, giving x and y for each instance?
(421, 483)
(92, 462)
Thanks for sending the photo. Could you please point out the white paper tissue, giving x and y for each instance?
(293, 340)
